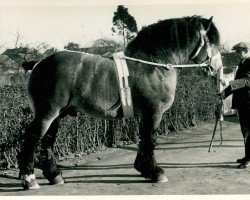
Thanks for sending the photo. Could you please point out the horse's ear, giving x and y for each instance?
(209, 24)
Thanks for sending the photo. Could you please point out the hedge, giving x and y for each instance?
(194, 103)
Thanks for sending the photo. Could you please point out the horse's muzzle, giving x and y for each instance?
(216, 62)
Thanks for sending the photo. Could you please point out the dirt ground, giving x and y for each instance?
(191, 170)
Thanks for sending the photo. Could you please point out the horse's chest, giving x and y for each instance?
(165, 85)
(168, 90)
(157, 88)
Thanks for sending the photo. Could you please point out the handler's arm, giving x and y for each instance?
(242, 82)
(237, 84)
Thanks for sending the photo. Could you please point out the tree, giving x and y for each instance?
(104, 47)
(72, 46)
(49, 52)
(23, 53)
(124, 24)
(225, 48)
(18, 36)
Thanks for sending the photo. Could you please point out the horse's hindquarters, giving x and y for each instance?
(50, 85)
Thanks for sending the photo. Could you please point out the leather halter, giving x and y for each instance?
(204, 42)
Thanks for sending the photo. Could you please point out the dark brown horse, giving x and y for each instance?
(69, 82)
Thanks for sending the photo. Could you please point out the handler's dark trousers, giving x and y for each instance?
(244, 118)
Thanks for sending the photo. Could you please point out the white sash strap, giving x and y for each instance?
(125, 92)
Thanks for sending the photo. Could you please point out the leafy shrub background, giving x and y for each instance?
(194, 103)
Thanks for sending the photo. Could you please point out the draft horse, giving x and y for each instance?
(68, 82)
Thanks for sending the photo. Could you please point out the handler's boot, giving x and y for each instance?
(244, 164)
(241, 160)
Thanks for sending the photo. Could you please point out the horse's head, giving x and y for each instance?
(207, 51)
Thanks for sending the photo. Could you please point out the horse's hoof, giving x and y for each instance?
(162, 179)
(58, 180)
(158, 179)
(28, 182)
(158, 176)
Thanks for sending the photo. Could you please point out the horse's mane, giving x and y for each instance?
(171, 35)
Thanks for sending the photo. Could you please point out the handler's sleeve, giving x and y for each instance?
(227, 91)
(242, 82)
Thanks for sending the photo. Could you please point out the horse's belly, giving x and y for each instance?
(98, 108)
(95, 90)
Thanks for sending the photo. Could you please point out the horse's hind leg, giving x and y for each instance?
(145, 160)
(37, 128)
(48, 161)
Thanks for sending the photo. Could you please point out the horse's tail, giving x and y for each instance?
(28, 65)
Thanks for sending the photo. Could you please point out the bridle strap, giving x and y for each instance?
(200, 46)
(204, 41)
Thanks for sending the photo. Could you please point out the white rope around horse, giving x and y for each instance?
(167, 66)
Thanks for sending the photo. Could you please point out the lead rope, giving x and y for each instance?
(219, 118)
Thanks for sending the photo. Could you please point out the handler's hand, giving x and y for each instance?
(221, 94)
(226, 92)
(223, 82)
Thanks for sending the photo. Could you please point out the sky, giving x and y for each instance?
(57, 22)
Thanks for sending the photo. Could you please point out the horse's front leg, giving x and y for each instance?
(145, 161)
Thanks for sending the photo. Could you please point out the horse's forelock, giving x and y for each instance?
(213, 33)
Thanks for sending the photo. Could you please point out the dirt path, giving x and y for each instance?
(185, 158)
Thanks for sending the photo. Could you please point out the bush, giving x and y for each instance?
(15, 115)
(194, 103)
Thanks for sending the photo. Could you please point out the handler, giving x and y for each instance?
(240, 88)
